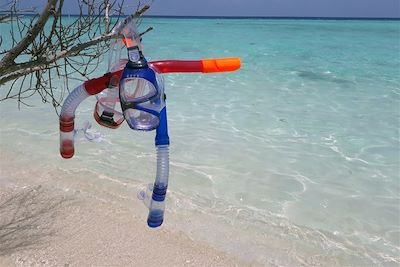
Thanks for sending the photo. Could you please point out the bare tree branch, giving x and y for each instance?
(50, 46)
(73, 51)
(32, 66)
(32, 33)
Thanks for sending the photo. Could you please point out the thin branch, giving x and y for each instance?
(32, 33)
(5, 18)
(146, 31)
(107, 16)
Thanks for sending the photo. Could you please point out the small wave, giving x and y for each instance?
(261, 231)
(195, 168)
(324, 76)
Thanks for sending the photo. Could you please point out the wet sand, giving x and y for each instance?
(43, 225)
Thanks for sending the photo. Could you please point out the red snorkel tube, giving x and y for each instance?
(97, 85)
(204, 65)
(71, 103)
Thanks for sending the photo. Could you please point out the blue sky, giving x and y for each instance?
(291, 8)
(302, 8)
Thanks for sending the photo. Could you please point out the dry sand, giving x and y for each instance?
(44, 225)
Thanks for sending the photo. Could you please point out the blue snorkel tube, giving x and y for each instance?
(157, 203)
(142, 101)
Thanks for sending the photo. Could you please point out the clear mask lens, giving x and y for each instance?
(142, 102)
(105, 113)
(141, 120)
(137, 90)
(107, 117)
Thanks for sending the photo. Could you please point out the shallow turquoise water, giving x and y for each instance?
(292, 160)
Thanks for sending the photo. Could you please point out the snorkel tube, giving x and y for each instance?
(139, 88)
(142, 101)
(67, 114)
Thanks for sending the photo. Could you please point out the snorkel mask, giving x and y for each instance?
(141, 97)
(139, 87)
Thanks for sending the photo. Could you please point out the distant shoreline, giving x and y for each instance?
(270, 17)
(249, 17)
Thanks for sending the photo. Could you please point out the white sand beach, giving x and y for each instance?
(42, 225)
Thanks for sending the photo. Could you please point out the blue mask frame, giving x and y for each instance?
(152, 104)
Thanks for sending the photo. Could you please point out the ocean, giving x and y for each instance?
(292, 160)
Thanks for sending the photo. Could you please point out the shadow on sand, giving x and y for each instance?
(27, 218)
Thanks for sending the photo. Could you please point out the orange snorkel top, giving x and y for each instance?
(220, 64)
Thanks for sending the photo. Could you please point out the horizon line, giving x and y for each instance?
(271, 17)
(244, 17)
